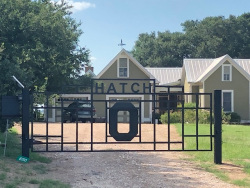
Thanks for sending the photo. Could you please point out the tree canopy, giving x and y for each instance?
(39, 44)
(209, 38)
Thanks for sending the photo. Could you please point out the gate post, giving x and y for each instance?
(217, 127)
(25, 123)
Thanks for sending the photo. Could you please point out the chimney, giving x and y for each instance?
(87, 68)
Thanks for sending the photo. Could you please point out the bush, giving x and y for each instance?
(175, 117)
(226, 117)
(189, 116)
(3, 123)
(188, 105)
(204, 116)
(235, 118)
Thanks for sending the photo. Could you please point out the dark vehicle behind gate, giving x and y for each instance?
(79, 110)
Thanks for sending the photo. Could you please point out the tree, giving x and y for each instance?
(162, 50)
(39, 44)
(145, 49)
(42, 40)
(209, 38)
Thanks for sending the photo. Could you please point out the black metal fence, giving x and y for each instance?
(124, 117)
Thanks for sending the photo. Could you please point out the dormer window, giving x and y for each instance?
(226, 73)
(123, 68)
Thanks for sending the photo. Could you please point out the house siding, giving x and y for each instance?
(111, 72)
(134, 73)
(195, 89)
(240, 86)
(116, 83)
(187, 98)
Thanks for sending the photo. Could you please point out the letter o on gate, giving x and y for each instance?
(133, 121)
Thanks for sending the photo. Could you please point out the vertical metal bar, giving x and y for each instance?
(77, 135)
(168, 105)
(91, 113)
(217, 127)
(154, 100)
(47, 122)
(197, 120)
(106, 121)
(169, 120)
(182, 124)
(139, 121)
(25, 123)
(211, 122)
(62, 115)
(91, 123)
(32, 119)
(77, 110)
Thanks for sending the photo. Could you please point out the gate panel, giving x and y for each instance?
(53, 131)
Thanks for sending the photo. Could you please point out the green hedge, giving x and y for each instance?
(189, 116)
(203, 116)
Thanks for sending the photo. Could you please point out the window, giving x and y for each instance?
(226, 73)
(123, 68)
(227, 100)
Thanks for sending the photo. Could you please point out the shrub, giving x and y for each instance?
(189, 116)
(226, 117)
(187, 105)
(175, 117)
(204, 116)
(235, 118)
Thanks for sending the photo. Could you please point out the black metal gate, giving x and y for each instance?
(124, 116)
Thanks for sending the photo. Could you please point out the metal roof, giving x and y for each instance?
(197, 69)
(165, 75)
(244, 63)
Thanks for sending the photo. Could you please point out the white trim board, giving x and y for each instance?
(232, 98)
(129, 96)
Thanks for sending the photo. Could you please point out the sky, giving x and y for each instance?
(106, 22)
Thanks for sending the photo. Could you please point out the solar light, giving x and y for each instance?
(18, 82)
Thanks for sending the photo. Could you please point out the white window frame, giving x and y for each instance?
(118, 68)
(230, 73)
(232, 99)
(143, 119)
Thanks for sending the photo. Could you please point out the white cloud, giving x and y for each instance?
(92, 58)
(78, 6)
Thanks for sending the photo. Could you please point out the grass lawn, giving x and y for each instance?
(235, 151)
(17, 174)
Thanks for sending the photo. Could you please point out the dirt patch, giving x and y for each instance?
(234, 172)
(125, 169)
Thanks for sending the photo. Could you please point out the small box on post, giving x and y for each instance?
(10, 106)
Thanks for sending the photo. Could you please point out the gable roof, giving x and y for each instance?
(123, 51)
(166, 76)
(217, 63)
(198, 70)
(244, 63)
(195, 67)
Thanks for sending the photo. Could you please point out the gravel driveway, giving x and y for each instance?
(127, 169)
